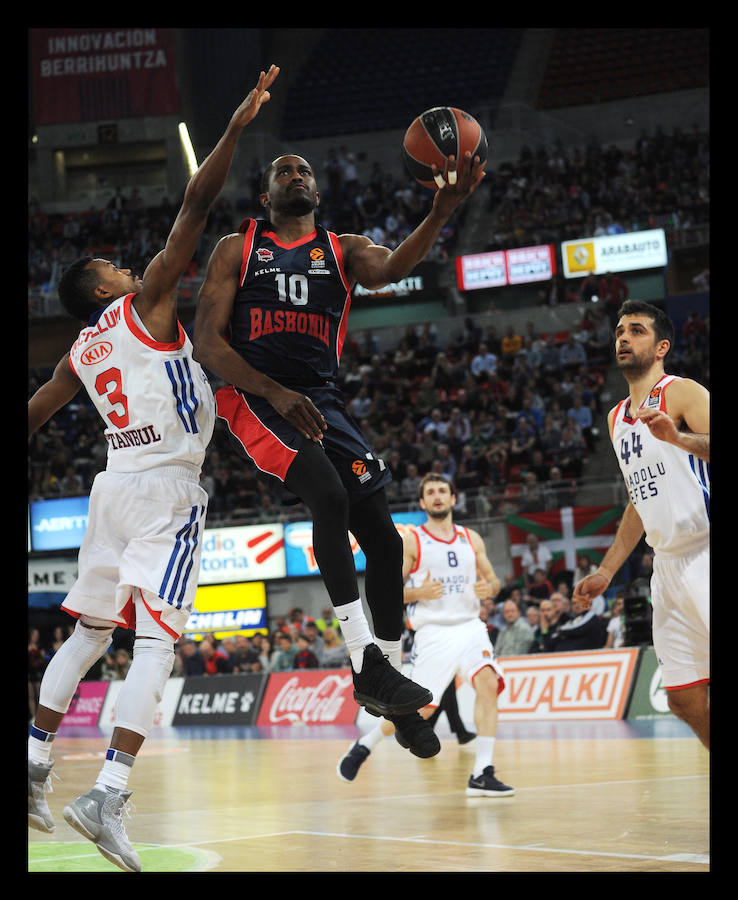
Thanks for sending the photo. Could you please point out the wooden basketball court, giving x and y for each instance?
(590, 797)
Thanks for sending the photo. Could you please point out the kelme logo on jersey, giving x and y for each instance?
(96, 353)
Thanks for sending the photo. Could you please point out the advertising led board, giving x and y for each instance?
(242, 553)
(298, 544)
(614, 253)
(498, 268)
(229, 608)
(58, 524)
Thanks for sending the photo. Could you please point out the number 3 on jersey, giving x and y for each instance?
(114, 394)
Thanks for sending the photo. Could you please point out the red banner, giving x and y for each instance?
(309, 697)
(90, 74)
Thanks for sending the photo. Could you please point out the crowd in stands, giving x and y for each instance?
(512, 418)
(558, 193)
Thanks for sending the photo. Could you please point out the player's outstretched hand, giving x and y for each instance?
(589, 588)
(300, 411)
(260, 94)
(457, 182)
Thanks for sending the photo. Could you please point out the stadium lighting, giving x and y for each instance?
(184, 136)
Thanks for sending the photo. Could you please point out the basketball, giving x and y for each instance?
(435, 135)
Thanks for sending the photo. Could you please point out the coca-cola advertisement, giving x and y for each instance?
(309, 697)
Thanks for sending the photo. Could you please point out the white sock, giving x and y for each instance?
(392, 650)
(116, 770)
(355, 630)
(485, 748)
(39, 745)
(372, 738)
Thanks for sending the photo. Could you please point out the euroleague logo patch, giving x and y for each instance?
(358, 467)
(654, 398)
(317, 262)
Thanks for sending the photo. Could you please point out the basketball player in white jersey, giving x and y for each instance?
(447, 572)
(140, 556)
(661, 436)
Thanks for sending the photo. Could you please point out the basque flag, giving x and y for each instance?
(566, 532)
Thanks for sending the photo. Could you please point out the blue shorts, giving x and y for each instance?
(262, 436)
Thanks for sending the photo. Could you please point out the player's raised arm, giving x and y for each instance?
(373, 266)
(163, 273)
(50, 397)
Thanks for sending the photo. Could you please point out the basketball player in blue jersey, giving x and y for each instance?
(661, 436)
(447, 572)
(139, 559)
(271, 322)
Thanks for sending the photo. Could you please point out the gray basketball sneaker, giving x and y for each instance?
(39, 782)
(98, 816)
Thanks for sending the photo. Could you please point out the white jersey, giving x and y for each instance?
(154, 397)
(669, 488)
(454, 564)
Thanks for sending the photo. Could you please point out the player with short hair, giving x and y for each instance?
(271, 322)
(447, 573)
(661, 436)
(140, 556)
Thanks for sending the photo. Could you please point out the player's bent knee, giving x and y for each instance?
(486, 681)
(68, 666)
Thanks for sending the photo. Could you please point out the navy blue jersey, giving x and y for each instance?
(291, 307)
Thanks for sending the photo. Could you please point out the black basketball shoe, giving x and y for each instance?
(384, 691)
(350, 763)
(486, 785)
(415, 734)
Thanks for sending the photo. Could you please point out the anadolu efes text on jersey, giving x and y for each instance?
(291, 307)
(668, 487)
(154, 397)
(454, 564)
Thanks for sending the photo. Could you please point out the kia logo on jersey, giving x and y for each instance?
(96, 353)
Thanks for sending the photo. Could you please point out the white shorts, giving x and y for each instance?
(441, 652)
(144, 534)
(680, 595)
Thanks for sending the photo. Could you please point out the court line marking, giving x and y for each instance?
(701, 858)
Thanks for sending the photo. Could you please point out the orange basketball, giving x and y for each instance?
(437, 134)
